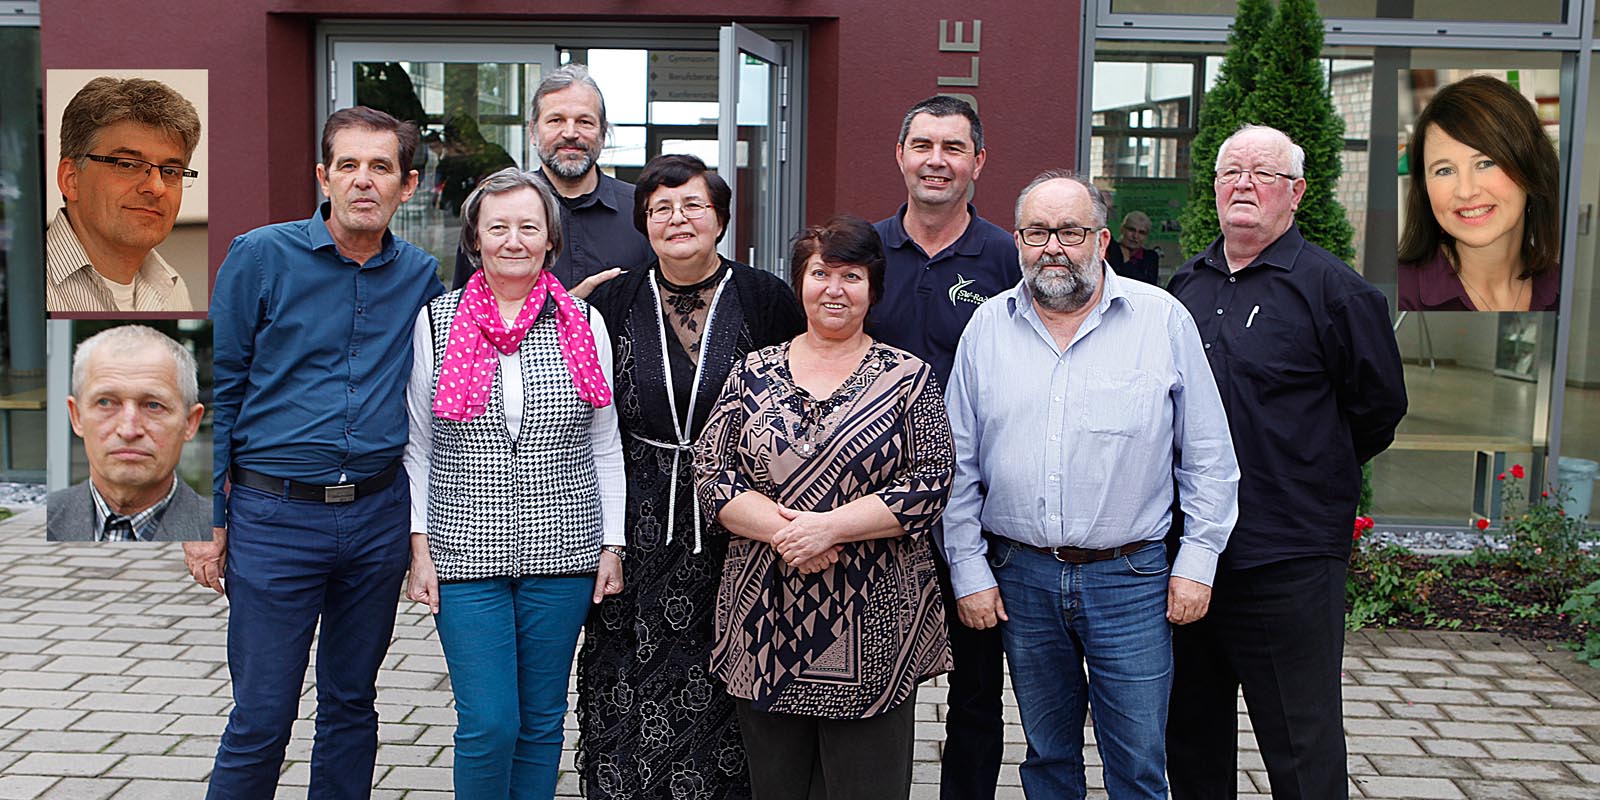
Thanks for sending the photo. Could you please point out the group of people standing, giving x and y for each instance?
(759, 502)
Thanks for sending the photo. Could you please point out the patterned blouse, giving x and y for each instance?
(853, 640)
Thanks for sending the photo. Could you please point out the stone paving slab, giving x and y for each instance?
(114, 685)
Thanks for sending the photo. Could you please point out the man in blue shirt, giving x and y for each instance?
(313, 348)
(1069, 455)
(1310, 374)
(942, 262)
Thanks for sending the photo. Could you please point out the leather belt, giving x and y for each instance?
(316, 493)
(1080, 555)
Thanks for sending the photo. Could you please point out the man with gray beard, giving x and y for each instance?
(1070, 455)
(569, 128)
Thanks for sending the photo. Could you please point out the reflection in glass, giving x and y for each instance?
(22, 344)
(1470, 11)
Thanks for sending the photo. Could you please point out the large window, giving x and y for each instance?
(1481, 385)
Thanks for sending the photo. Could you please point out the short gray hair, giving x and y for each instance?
(1097, 200)
(131, 338)
(565, 78)
(1297, 154)
(106, 101)
(1137, 216)
(509, 179)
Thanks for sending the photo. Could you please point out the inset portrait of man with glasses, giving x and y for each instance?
(129, 150)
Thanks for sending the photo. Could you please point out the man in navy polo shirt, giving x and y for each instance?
(313, 350)
(943, 260)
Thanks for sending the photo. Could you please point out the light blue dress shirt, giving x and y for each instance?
(1080, 446)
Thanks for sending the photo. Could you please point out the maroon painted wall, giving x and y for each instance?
(869, 61)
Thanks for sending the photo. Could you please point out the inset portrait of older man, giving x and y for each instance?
(125, 150)
(134, 402)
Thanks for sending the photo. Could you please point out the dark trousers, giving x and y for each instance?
(1278, 631)
(974, 730)
(800, 757)
(289, 563)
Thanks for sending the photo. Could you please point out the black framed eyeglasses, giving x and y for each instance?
(1261, 176)
(126, 167)
(1069, 236)
(691, 210)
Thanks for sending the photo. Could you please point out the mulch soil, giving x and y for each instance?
(1505, 603)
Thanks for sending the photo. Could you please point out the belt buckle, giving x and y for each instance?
(341, 493)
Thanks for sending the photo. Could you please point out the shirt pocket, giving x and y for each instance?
(1275, 349)
(1117, 401)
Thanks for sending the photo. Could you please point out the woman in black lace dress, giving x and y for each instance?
(653, 721)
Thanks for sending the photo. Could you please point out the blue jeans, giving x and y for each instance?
(509, 644)
(289, 563)
(1112, 616)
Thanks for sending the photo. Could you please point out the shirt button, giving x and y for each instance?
(1208, 345)
(1219, 312)
(1054, 477)
(1232, 279)
(1058, 398)
(1055, 517)
(1055, 437)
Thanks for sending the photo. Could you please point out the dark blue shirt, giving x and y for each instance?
(597, 234)
(1306, 362)
(312, 354)
(927, 301)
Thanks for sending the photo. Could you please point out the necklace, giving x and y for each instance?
(1477, 297)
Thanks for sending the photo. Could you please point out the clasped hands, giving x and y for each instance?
(809, 542)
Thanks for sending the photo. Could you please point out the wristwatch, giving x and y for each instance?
(615, 549)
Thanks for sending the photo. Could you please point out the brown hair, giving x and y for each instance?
(1485, 113)
(674, 170)
(373, 120)
(844, 239)
(107, 101)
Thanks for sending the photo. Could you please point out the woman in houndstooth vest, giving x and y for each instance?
(516, 486)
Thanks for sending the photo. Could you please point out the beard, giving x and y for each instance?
(1060, 291)
(566, 166)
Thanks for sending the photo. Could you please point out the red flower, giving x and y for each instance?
(1544, 494)
(1482, 524)
(1517, 472)
(1362, 525)
(1500, 477)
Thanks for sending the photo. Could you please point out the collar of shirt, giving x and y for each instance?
(1019, 303)
(604, 193)
(68, 257)
(144, 522)
(970, 244)
(322, 239)
(1280, 254)
(1438, 285)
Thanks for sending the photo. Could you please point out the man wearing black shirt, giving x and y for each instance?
(1310, 376)
(569, 128)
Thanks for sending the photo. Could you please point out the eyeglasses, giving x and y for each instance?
(691, 210)
(1261, 176)
(136, 168)
(1068, 236)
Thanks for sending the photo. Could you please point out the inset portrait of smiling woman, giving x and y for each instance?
(1482, 226)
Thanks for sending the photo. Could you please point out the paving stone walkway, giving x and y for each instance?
(114, 684)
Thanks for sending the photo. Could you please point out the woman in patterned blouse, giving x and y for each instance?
(827, 462)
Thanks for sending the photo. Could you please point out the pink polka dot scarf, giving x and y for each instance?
(466, 378)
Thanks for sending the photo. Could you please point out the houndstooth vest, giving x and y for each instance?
(498, 508)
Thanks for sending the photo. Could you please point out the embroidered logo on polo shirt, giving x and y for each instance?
(960, 294)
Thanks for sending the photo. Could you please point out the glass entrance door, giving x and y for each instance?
(752, 137)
